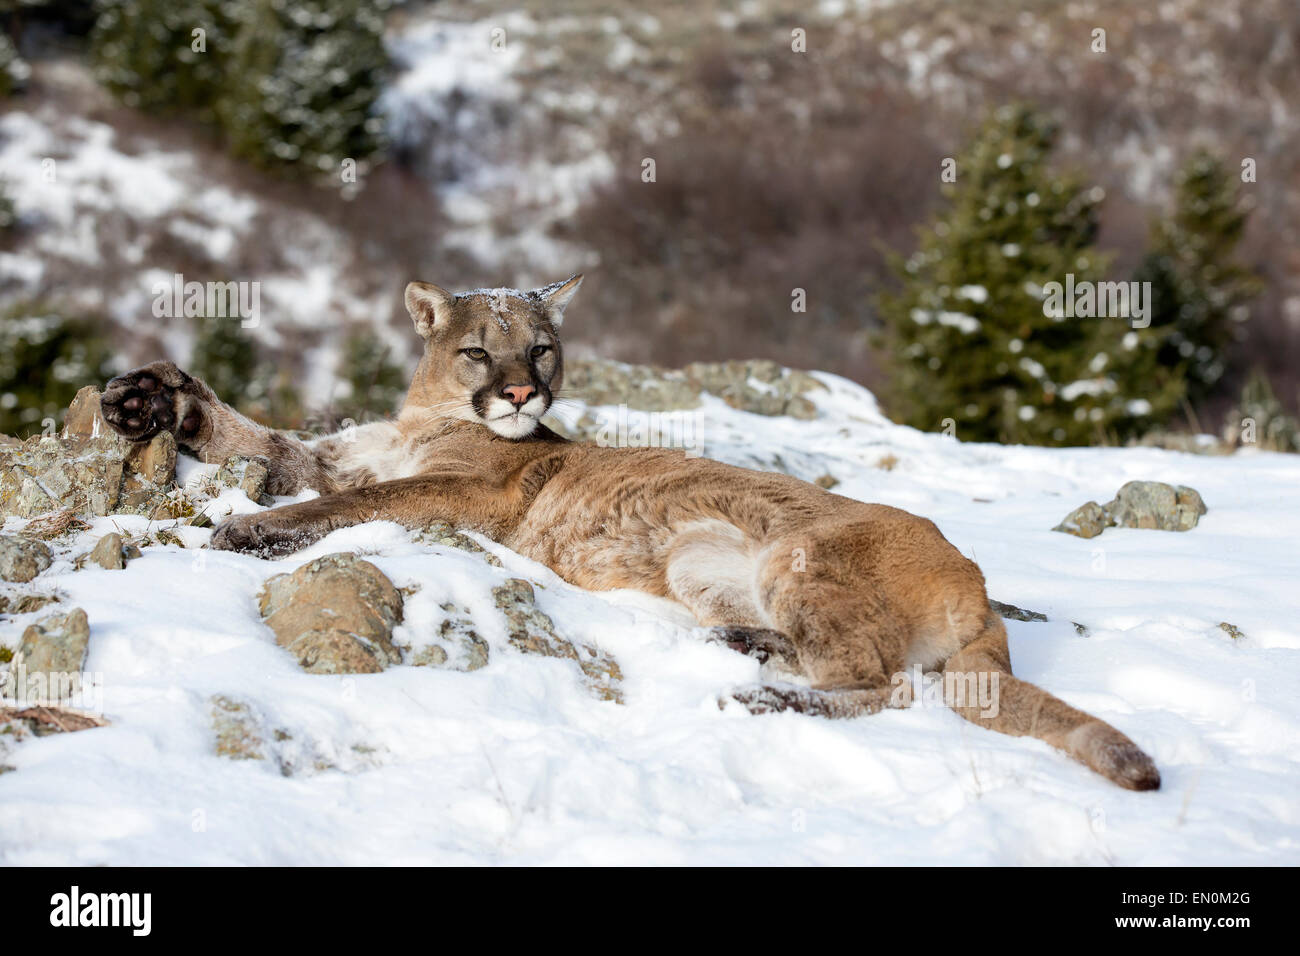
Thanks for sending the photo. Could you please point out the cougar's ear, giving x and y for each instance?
(428, 306)
(557, 295)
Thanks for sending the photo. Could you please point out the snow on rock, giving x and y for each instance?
(1187, 642)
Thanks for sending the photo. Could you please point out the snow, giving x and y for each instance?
(1087, 386)
(956, 320)
(516, 763)
(464, 76)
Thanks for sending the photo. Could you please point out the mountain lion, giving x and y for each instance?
(851, 594)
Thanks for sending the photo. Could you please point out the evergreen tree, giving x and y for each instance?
(45, 356)
(148, 53)
(374, 385)
(302, 81)
(290, 82)
(1260, 420)
(14, 70)
(226, 357)
(8, 215)
(969, 331)
(1200, 294)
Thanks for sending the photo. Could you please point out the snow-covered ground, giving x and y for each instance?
(518, 763)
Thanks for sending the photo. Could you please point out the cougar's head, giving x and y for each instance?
(490, 356)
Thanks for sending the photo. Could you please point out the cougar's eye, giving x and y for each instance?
(540, 350)
(477, 355)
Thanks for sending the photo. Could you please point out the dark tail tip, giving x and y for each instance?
(1114, 756)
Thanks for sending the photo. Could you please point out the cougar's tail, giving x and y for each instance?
(1023, 710)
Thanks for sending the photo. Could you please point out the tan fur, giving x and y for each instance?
(856, 592)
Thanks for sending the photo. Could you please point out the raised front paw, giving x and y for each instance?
(157, 397)
(263, 534)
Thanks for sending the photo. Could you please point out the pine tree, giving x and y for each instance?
(8, 214)
(969, 332)
(147, 51)
(290, 82)
(226, 357)
(14, 70)
(1260, 420)
(302, 81)
(1200, 294)
(45, 356)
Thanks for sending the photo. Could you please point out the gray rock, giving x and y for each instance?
(1139, 504)
(21, 559)
(241, 731)
(761, 387)
(1153, 504)
(247, 474)
(335, 614)
(89, 468)
(533, 632)
(442, 533)
(238, 729)
(50, 658)
(109, 552)
(149, 476)
(642, 387)
(1013, 613)
(1086, 521)
(253, 484)
(84, 419)
(459, 646)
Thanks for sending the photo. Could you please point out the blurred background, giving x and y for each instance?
(880, 190)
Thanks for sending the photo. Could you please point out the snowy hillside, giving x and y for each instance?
(517, 762)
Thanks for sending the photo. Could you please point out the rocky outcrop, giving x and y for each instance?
(50, 658)
(109, 552)
(22, 558)
(457, 646)
(1139, 504)
(249, 475)
(1085, 521)
(241, 731)
(1012, 613)
(237, 729)
(533, 632)
(761, 387)
(442, 533)
(1152, 504)
(85, 469)
(335, 615)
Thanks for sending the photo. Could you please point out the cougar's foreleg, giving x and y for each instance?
(160, 397)
(466, 500)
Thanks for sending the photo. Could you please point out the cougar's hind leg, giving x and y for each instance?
(711, 570)
(761, 643)
(846, 642)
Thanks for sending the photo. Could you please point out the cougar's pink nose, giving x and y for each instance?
(518, 394)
